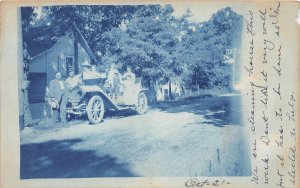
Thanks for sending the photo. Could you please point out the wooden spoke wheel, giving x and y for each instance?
(95, 109)
(142, 103)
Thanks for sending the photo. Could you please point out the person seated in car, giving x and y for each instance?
(113, 80)
(86, 70)
(95, 73)
(129, 76)
(90, 75)
(128, 79)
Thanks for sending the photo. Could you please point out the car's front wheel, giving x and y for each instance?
(142, 103)
(95, 109)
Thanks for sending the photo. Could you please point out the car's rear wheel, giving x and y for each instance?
(95, 109)
(142, 103)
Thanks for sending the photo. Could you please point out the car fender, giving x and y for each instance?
(94, 89)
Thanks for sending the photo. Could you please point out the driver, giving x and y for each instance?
(86, 70)
(90, 71)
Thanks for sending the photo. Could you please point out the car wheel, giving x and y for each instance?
(142, 103)
(95, 109)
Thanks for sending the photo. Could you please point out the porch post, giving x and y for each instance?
(20, 71)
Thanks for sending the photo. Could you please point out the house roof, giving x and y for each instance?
(38, 49)
(44, 50)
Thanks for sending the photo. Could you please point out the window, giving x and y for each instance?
(69, 64)
(166, 94)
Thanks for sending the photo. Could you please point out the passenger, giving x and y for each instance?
(128, 80)
(95, 73)
(114, 81)
(94, 68)
(129, 76)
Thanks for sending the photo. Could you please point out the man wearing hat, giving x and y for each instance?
(57, 100)
(86, 70)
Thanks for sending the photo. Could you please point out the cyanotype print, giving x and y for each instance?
(131, 91)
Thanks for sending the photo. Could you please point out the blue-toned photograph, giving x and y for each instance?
(131, 91)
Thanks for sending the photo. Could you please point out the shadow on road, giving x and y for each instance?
(56, 159)
(218, 111)
(119, 114)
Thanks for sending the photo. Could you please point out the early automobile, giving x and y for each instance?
(92, 99)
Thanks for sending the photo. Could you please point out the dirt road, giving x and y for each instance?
(197, 136)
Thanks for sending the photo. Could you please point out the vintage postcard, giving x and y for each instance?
(150, 94)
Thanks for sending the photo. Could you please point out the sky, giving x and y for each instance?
(202, 11)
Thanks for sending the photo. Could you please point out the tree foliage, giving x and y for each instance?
(149, 39)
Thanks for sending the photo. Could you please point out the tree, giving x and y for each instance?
(57, 21)
(26, 18)
(145, 44)
(147, 38)
(204, 67)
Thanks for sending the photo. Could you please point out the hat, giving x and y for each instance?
(86, 63)
(54, 104)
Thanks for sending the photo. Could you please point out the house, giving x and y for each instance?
(232, 57)
(168, 91)
(69, 52)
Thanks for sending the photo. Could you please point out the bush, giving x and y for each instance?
(216, 91)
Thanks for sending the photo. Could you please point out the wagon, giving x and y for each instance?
(93, 99)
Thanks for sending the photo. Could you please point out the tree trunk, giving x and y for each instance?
(156, 88)
(27, 113)
(23, 60)
(170, 90)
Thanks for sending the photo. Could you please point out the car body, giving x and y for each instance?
(92, 99)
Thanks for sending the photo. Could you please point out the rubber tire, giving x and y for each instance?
(89, 109)
(144, 110)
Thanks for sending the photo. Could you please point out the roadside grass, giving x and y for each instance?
(219, 110)
(189, 96)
